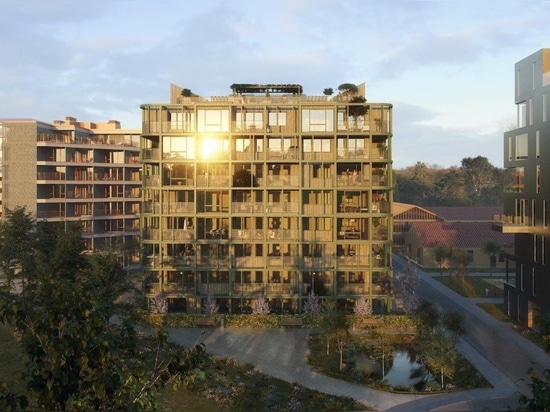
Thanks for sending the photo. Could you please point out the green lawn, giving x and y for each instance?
(470, 287)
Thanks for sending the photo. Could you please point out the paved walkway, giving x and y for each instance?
(282, 353)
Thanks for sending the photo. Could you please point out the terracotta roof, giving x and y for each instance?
(460, 234)
(465, 213)
(401, 208)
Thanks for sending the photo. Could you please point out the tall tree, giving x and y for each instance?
(81, 346)
(16, 246)
(479, 174)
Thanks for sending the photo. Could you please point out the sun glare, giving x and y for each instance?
(209, 147)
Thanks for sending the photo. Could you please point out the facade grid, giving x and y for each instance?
(267, 192)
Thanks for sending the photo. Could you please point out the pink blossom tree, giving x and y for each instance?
(404, 289)
(210, 305)
(312, 305)
(362, 306)
(261, 306)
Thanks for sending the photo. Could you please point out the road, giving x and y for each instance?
(496, 341)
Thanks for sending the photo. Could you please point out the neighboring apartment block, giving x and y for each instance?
(267, 192)
(527, 151)
(75, 171)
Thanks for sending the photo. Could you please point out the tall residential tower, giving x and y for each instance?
(527, 151)
(267, 192)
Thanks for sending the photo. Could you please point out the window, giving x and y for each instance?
(535, 248)
(212, 120)
(533, 282)
(470, 254)
(520, 171)
(521, 146)
(533, 212)
(521, 279)
(317, 120)
(537, 144)
(522, 114)
(543, 250)
(544, 107)
(277, 118)
(545, 213)
(538, 178)
(178, 147)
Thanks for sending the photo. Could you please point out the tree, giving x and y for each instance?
(428, 316)
(348, 88)
(454, 323)
(81, 346)
(440, 253)
(243, 178)
(328, 91)
(210, 306)
(491, 248)
(441, 355)
(540, 392)
(333, 320)
(158, 304)
(261, 306)
(362, 306)
(16, 233)
(479, 174)
(404, 289)
(312, 306)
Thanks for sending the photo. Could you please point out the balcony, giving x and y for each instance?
(513, 224)
(352, 289)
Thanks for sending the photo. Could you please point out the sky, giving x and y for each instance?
(446, 66)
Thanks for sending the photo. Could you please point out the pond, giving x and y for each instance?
(400, 369)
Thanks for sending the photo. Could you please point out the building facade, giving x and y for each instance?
(75, 171)
(267, 192)
(527, 151)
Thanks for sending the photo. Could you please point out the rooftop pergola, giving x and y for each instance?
(267, 88)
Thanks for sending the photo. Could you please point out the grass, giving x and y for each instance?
(228, 386)
(496, 310)
(470, 287)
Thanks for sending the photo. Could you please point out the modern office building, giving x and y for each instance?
(267, 192)
(527, 151)
(75, 171)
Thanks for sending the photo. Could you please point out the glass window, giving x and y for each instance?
(521, 146)
(213, 120)
(522, 114)
(178, 147)
(277, 118)
(317, 120)
(519, 179)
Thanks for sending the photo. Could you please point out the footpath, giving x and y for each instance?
(282, 353)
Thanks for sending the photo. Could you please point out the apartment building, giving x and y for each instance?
(527, 151)
(75, 171)
(267, 192)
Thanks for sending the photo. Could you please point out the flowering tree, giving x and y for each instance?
(362, 306)
(261, 306)
(158, 304)
(404, 289)
(210, 306)
(312, 305)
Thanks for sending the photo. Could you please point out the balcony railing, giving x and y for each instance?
(513, 224)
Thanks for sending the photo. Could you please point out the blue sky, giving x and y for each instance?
(447, 66)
